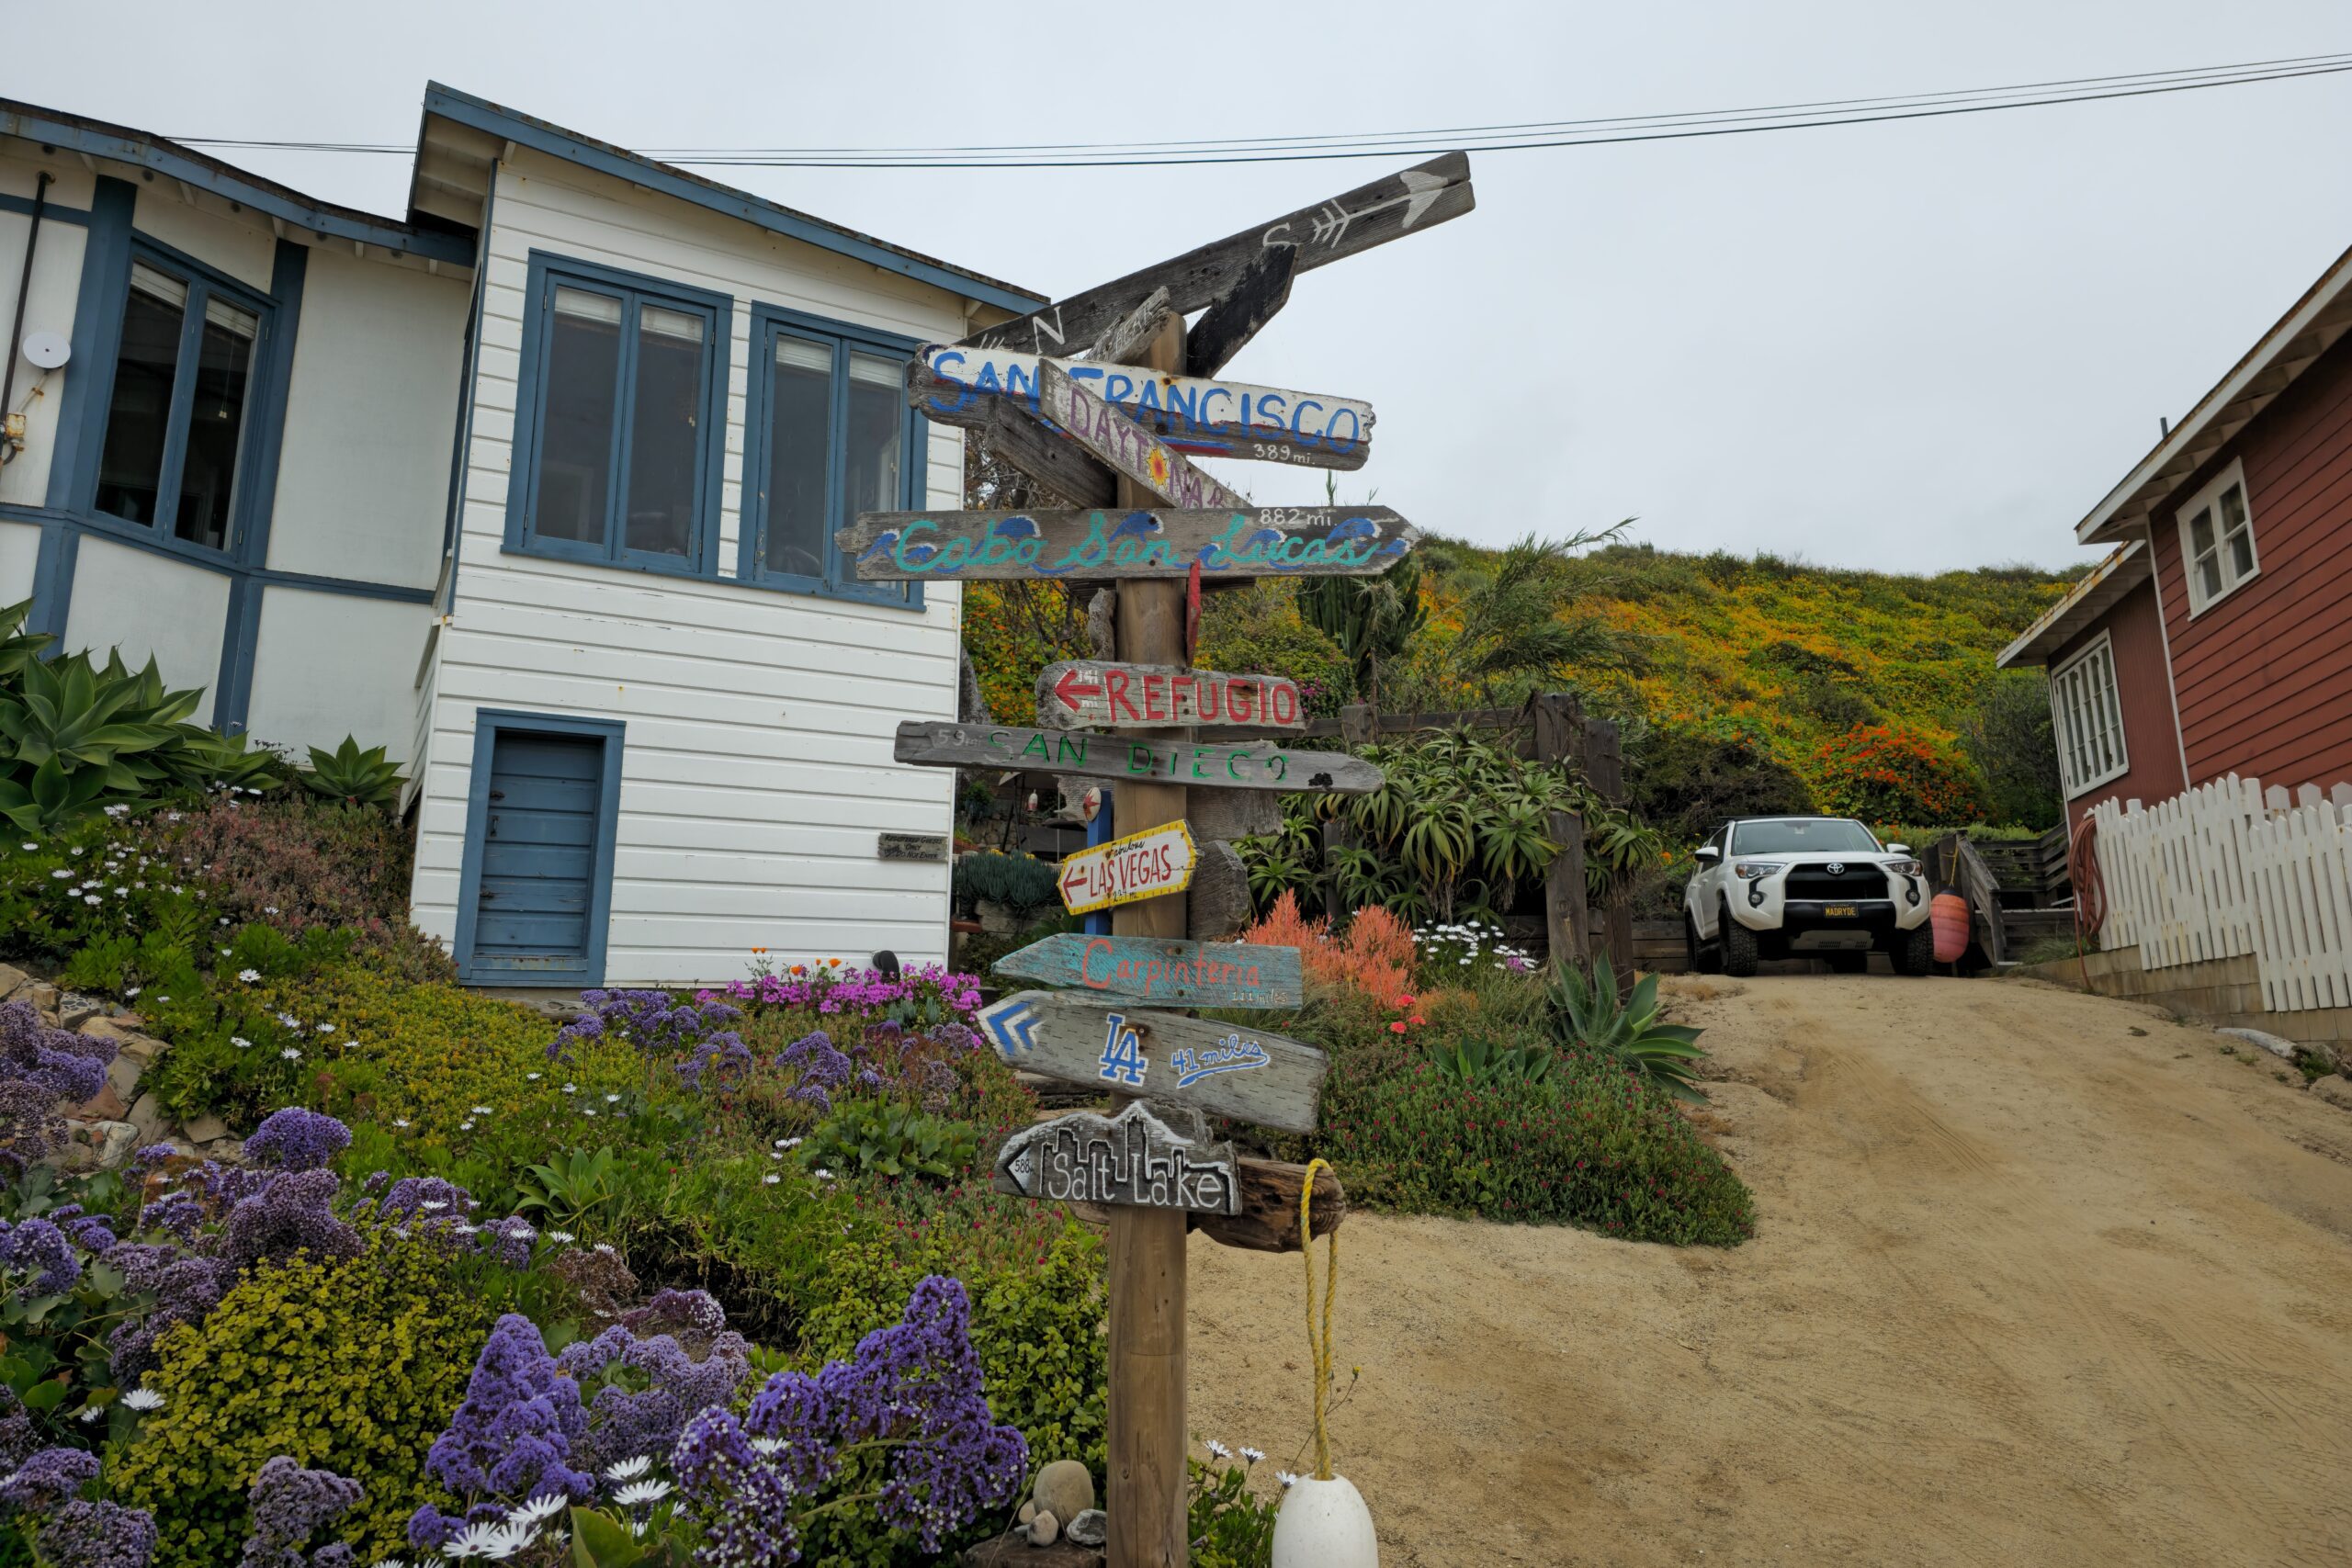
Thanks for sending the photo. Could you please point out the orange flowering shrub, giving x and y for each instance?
(1374, 956)
(1884, 774)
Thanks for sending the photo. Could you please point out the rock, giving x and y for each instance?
(1065, 1489)
(2337, 1091)
(43, 995)
(74, 1010)
(115, 1142)
(2282, 1049)
(1090, 1528)
(12, 980)
(104, 1106)
(1028, 1512)
(1044, 1528)
(228, 1150)
(204, 1128)
(147, 1116)
(122, 1077)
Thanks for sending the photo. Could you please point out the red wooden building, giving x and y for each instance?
(2217, 636)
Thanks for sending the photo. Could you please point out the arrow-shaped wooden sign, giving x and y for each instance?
(1127, 447)
(1131, 1158)
(1408, 202)
(1221, 419)
(1141, 865)
(1234, 764)
(1089, 695)
(1219, 1068)
(1265, 541)
(1154, 969)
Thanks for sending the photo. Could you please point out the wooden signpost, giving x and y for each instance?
(1171, 974)
(1221, 1069)
(1090, 694)
(1141, 542)
(1209, 415)
(1131, 1158)
(1230, 764)
(1141, 865)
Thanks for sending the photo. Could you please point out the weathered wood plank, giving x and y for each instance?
(1221, 1069)
(1217, 906)
(1127, 337)
(1216, 418)
(1243, 764)
(1094, 694)
(1157, 970)
(1163, 543)
(1131, 1160)
(1129, 449)
(1142, 866)
(1241, 312)
(1408, 202)
(910, 846)
(1268, 1219)
(1061, 466)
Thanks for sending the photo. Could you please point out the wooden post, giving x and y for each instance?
(1604, 764)
(1559, 738)
(1359, 726)
(1144, 1490)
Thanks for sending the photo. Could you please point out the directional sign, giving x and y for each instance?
(1153, 969)
(1131, 1158)
(1222, 419)
(1234, 764)
(1127, 447)
(1253, 541)
(1416, 199)
(1141, 865)
(1219, 1068)
(1089, 695)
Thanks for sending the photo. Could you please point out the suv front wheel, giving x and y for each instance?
(1738, 945)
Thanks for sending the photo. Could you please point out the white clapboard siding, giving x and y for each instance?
(757, 767)
(2229, 869)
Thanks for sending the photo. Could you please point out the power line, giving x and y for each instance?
(1514, 136)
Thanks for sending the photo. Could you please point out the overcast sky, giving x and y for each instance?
(1912, 345)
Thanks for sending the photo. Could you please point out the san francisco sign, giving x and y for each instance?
(1141, 865)
(1159, 969)
(1131, 1158)
(1250, 541)
(1092, 695)
(1236, 764)
(1221, 1069)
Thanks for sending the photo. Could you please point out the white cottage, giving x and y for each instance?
(537, 488)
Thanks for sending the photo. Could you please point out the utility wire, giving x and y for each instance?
(1515, 137)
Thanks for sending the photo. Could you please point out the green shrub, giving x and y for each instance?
(352, 775)
(1585, 1011)
(1685, 780)
(2011, 740)
(873, 1137)
(1020, 883)
(350, 1366)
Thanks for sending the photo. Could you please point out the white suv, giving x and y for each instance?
(1805, 886)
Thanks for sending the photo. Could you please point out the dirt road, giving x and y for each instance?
(2028, 1287)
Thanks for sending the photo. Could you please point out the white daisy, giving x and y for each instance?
(561, 1238)
(1286, 1478)
(767, 1448)
(628, 1468)
(291, 1054)
(787, 1143)
(90, 1412)
(1217, 1449)
(247, 976)
(399, 1121)
(1252, 1455)
(482, 1110)
(770, 1179)
(32, 846)
(821, 1174)
(433, 1205)
(530, 1077)
(639, 1494)
(538, 1510)
(143, 1399)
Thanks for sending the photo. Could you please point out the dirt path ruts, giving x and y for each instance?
(2027, 1288)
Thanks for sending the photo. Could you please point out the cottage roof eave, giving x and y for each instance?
(2101, 589)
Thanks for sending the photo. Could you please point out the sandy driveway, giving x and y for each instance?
(2027, 1288)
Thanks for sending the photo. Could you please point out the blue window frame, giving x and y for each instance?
(620, 419)
(190, 376)
(827, 435)
(523, 877)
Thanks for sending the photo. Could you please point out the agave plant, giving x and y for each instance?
(1476, 1060)
(1584, 1010)
(349, 774)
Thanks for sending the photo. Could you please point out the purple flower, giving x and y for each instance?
(653, 1021)
(97, 1535)
(822, 1066)
(39, 1068)
(48, 1478)
(509, 1240)
(296, 1139)
(650, 1387)
(289, 1506)
(424, 1200)
(289, 1215)
(741, 1500)
(41, 1250)
(514, 1435)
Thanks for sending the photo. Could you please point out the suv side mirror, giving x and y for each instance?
(1707, 854)
(1898, 849)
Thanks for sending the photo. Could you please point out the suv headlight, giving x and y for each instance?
(1749, 870)
(1904, 867)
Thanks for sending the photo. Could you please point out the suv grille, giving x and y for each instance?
(1855, 882)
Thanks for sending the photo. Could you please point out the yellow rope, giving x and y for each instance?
(1319, 1344)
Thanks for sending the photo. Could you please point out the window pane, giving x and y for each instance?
(2209, 572)
(130, 465)
(2233, 505)
(664, 442)
(2201, 533)
(877, 421)
(800, 438)
(576, 444)
(216, 422)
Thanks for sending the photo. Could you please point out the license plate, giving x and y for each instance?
(1835, 909)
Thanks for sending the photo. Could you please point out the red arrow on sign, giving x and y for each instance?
(1069, 688)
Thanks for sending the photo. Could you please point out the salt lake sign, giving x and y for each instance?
(1094, 694)
(1155, 542)
(1162, 970)
(1131, 1158)
(1239, 764)
(1219, 1068)
(1141, 865)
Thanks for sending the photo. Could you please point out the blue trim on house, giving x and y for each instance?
(768, 323)
(256, 504)
(232, 693)
(453, 526)
(480, 114)
(631, 290)
(489, 724)
(98, 331)
(141, 539)
(49, 211)
(60, 550)
(351, 587)
(96, 139)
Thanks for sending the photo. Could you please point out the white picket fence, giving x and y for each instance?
(2229, 868)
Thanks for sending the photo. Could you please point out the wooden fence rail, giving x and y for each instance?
(2227, 869)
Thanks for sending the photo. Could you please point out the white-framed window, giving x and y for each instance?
(2216, 540)
(2088, 718)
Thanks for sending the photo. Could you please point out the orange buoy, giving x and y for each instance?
(1948, 913)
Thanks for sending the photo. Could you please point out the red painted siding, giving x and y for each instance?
(2265, 675)
(2137, 640)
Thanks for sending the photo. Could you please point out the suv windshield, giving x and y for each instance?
(1802, 835)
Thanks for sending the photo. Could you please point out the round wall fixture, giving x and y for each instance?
(48, 350)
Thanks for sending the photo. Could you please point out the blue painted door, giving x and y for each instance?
(538, 855)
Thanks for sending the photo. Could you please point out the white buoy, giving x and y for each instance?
(1324, 1524)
